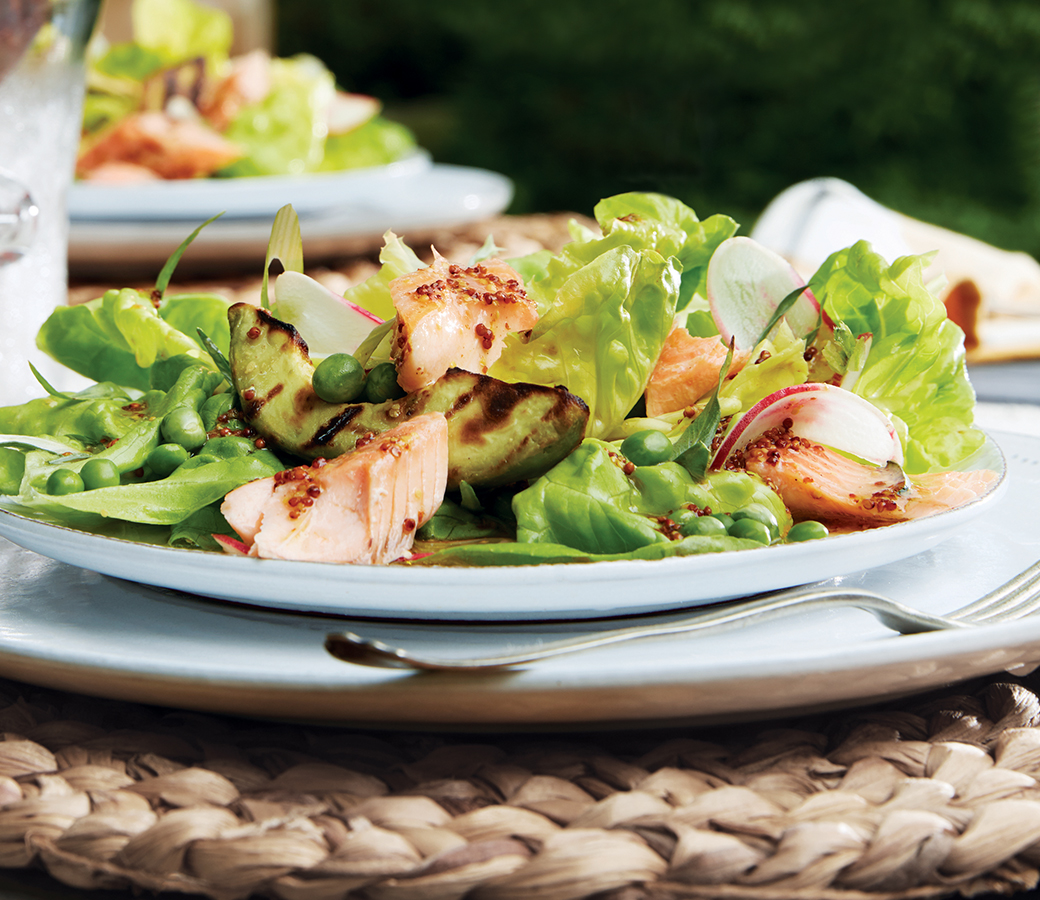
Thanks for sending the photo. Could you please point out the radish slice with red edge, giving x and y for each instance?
(821, 413)
(328, 322)
(231, 545)
(746, 283)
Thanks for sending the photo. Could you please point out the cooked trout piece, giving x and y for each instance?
(172, 148)
(362, 507)
(451, 316)
(687, 369)
(816, 482)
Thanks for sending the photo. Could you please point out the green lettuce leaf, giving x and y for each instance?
(603, 327)
(278, 134)
(378, 142)
(915, 369)
(373, 294)
(119, 336)
(168, 501)
(676, 232)
(607, 301)
(589, 503)
(177, 30)
(777, 362)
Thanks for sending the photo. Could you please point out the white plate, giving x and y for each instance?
(543, 592)
(197, 199)
(71, 629)
(435, 197)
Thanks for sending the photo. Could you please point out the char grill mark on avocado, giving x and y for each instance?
(499, 432)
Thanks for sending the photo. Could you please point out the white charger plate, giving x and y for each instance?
(196, 199)
(541, 592)
(72, 629)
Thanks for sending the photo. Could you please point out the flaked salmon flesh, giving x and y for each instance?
(816, 482)
(687, 369)
(169, 147)
(452, 316)
(363, 507)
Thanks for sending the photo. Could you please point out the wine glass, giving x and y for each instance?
(42, 70)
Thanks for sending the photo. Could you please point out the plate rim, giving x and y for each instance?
(196, 197)
(354, 581)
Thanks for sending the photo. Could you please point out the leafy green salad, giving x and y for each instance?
(173, 103)
(153, 447)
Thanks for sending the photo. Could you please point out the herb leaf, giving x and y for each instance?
(163, 281)
(54, 392)
(219, 359)
(693, 449)
(781, 311)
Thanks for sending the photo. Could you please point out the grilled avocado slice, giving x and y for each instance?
(498, 433)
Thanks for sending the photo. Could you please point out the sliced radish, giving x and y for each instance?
(746, 283)
(821, 413)
(328, 322)
(349, 111)
(231, 545)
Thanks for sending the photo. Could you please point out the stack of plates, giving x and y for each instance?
(140, 225)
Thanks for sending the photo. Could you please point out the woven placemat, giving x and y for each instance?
(930, 797)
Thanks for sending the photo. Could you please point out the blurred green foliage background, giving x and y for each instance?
(931, 107)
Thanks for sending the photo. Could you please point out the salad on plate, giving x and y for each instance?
(173, 104)
(661, 387)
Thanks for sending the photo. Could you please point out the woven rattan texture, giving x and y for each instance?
(932, 797)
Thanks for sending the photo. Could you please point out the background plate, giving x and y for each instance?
(439, 196)
(196, 199)
(495, 593)
(75, 630)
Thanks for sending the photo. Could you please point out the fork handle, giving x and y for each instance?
(354, 648)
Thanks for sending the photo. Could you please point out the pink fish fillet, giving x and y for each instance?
(451, 316)
(362, 507)
(816, 482)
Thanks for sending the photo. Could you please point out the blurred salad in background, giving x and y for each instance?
(173, 103)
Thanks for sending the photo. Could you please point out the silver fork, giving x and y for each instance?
(1018, 597)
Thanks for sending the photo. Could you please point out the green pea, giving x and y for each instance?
(99, 473)
(165, 458)
(184, 426)
(647, 448)
(339, 378)
(381, 384)
(807, 531)
(725, 518)
(752, 529)
(706, 526)
(759, 513)
(214, 408)
(64, 481)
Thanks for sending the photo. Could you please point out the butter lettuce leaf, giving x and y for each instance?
(178, 30)
(590, 503)
(119, 336)
(607, 301)
(375, 143)
(915, 370)
(168, 501)
(278, 134)
(673, 229)
(373, 293)
(601, 332)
